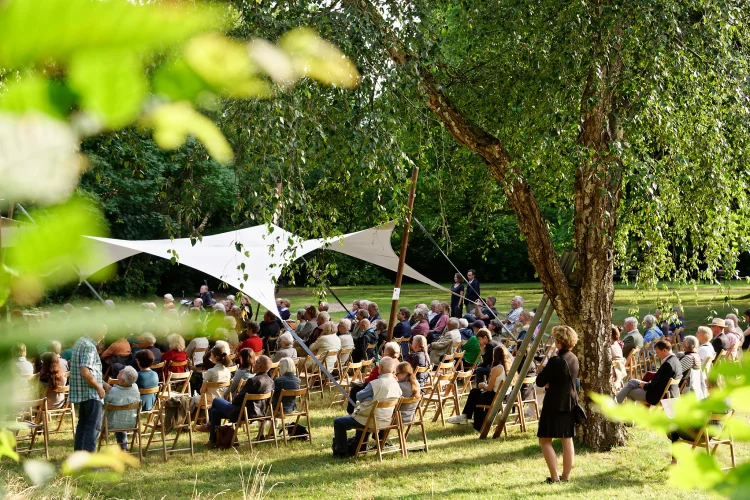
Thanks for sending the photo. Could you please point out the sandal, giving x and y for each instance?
(550, 481)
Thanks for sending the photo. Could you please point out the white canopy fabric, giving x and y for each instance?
(251, 259)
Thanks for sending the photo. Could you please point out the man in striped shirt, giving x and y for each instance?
(87, 388)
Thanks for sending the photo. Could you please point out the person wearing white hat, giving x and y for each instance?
(720, 341)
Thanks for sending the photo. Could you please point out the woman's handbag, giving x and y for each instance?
(224, 434)
(579, 414)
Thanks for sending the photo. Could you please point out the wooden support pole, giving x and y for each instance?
(402, 255)
(4, 307)
(566, 261)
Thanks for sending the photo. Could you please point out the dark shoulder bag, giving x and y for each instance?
(579, 415)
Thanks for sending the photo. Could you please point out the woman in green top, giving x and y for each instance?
(472, 349)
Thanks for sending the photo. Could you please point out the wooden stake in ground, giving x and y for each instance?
(402, 255)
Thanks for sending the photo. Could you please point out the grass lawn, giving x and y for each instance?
(458, 464)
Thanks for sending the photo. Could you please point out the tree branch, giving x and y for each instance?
(519, 193)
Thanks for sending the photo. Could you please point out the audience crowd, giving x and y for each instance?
(230, 355)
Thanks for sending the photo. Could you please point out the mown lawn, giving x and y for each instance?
(458, 465)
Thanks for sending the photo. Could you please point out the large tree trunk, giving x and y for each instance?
(586, 305)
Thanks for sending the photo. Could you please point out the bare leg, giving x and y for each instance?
(568, 457)
(550, 457)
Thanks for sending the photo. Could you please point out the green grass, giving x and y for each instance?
(458, 464)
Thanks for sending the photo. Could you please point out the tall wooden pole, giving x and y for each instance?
(4, 308)
(402, 255)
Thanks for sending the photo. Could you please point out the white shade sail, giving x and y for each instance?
(251, 259)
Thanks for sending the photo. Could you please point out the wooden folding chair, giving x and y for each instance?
(229, 397)
(369, 348)
(458, 360)
(67, 409)
(343, 359)
(463, 383)
(150, 414)
(405, 427)
(176, 384)
(311, 376)
(244, 421)
(157, 425)
(455, 347)
(200, 353)
(273, 371)
(33, 417)
(159, 369)
(428, 371)
(303, 410)
(673, 382)
(631, 368)
(176, 364)
(201, 410)
(442, 395)
(367, 365)
(372, 430)
(705, 439)
(445, 368)
(351, 373)
(522, 403)
(135, 430)
(232, 369)
(273, 343)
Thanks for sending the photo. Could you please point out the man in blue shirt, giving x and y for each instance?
(652, 332)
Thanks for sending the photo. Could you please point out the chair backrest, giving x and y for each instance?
(112, 381)
(232, 368)
(258, 397)
(129, 407)
(34, 408)
(177, 364)
(445, 367)
(216, 385)
(174, 379)
(152, 390)
(273, 372)
(239, 387)
(455, 346)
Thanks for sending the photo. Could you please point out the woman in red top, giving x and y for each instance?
(176, 353)
(252, 340)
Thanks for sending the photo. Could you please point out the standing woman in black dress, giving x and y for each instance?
(558, 417)
(457, 297)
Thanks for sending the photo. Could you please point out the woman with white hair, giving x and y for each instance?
(653, 332)
(327, 342)
(347, 342)
(176, 353)
(286, 381)
(147, 341)
(286, 348)
(122, 394)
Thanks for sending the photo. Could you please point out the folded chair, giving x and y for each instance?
(351, 373)
(157, 426)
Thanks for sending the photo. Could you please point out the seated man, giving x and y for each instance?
(442, 346)
(385, 387)
(516, 305)
(651, 392)
(632, 338)
(487, 313)
(261, 383)
(720, 341)
(147, 341)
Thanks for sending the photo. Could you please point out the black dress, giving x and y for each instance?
(558, 419)
(456, 304)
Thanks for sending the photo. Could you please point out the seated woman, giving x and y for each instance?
(422, 326)
(147, 341)
(288, 381)
(690, 360)
(269, 327)
(219, 373)
(366, 336)
(409, 388)
(251, 338)
(381, 332)
(52, 377)
(356, 323)
(147, 378)
(327, 342)
(419, 358)
(246, 360)
(176, 353)
(484, 393)
(618, 361)
(301, 321)
(200, 342)
(347, 342)
(311, 313)
(286, 348)
(230, 325)
(124, 393)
